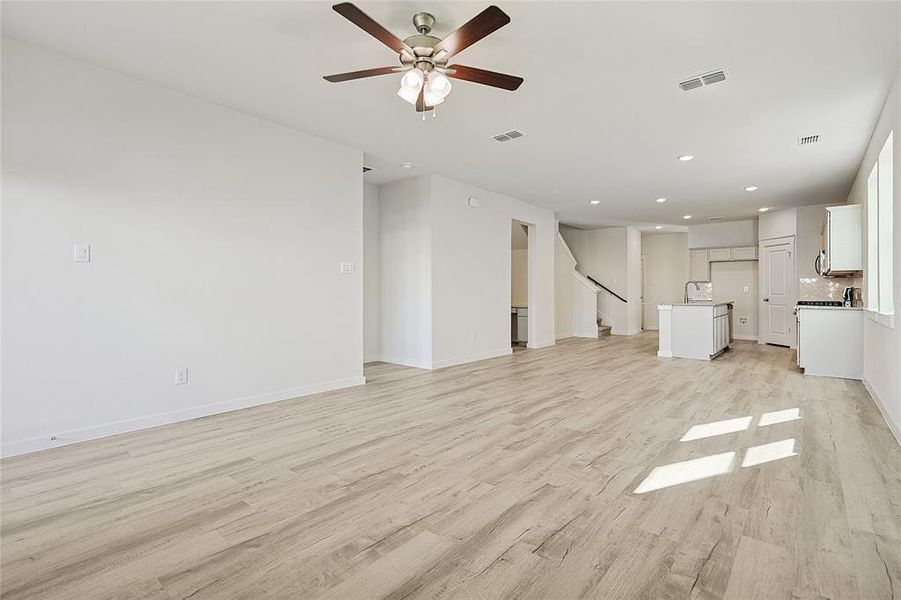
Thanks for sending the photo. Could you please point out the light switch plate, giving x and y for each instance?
(181, 376)
(82, 253)
(346, 268)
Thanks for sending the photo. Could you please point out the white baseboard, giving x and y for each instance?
(651, 329)
(895, 429)
(750, 338)
(537, 345)
(587, 334)
(404, 361)
(462, 360)
(664, 354)
(371, 358)
(627, 332)
(64, 438)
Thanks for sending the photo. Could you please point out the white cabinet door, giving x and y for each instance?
(699, 265)
(719, 254)
(749, 253)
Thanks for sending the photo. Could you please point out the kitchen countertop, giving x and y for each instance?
(696, 303)
(806, 307)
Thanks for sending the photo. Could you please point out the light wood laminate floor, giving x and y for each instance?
(508, 478)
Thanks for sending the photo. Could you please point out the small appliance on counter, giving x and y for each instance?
(851, 297)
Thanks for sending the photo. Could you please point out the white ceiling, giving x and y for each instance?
(603, 116)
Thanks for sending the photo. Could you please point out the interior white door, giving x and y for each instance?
(777, 291)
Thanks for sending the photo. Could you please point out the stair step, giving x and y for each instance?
(603, 330)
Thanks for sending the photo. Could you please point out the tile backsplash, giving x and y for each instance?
(821, 288)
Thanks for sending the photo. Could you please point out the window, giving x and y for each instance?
(880, 200)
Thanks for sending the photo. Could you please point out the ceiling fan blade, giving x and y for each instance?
(368, 24)
(339, 77)
(498, 80)
(486, 22)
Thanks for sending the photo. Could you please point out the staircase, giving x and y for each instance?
(603, 330)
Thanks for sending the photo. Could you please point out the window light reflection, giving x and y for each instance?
(686, 471)
(699, 432)
(779, 416)
(764, 453)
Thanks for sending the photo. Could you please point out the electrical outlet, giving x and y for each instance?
(747, 289)
(82, 253)
(181, 376)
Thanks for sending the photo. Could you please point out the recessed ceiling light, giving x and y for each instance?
(594, 202)
(751, 188)
(659, 227)
(686, 157)
(407, 165)
(686, 217)
(661, 200)
(764, 209)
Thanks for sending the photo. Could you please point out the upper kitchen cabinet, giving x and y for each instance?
(699, 265)
(842, 245)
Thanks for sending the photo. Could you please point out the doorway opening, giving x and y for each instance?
(519, 285)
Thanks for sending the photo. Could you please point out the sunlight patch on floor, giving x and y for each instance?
(699, 432)
(779, 416)
(765, 453)
(687, 470)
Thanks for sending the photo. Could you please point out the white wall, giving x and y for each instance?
(633, 280)
(882, 344)
(519, 263)
(778, 223)
(666, 271)
(405, 273)
(730, 279)
(215, 242)
(371, 230)
(471, 272)
(563, 291)
(723, 235)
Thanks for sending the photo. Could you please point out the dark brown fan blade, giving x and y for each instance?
(498, 80)
(486, 22)
(367, 24)
(361, 74)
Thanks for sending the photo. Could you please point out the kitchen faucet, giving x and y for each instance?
(694, 283)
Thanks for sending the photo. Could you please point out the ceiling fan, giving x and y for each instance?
(424, 57)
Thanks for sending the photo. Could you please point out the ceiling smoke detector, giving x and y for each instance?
(506, 137)
(698, 81)
(808, 139)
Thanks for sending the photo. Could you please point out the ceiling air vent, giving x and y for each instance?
(714, 218)
(366, 169)
(705, 79)
(808, 139)
(510, 135)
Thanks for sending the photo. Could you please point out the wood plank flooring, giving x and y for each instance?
(508, 478)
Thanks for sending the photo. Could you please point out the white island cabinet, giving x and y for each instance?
(700, 330)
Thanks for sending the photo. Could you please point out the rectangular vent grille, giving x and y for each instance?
(366, 169)
(808, 139)
(690, 84)
(705, 79)
(510, 135)
(714, 218)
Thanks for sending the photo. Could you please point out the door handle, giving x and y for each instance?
(766, 299)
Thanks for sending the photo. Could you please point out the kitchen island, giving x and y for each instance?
(699, 330)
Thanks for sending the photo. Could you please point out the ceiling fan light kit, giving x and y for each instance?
(423, 57)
